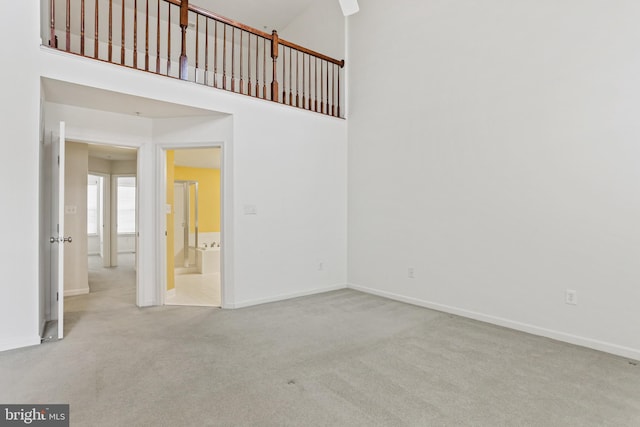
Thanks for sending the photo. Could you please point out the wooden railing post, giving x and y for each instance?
(341, 66)
(68, 28)
(274, 56)
(314, 90)
(184, 23)
(52, 24)
(82, 13)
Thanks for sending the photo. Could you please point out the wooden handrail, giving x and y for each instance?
(236, 24)
(253, 62)
(310, 52)
(274, 56)
(223, 19)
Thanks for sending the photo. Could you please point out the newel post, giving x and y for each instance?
(274, 55)
(184, 23)
(52, 24)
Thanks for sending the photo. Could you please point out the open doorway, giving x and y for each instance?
(193, 226)
(112, 221)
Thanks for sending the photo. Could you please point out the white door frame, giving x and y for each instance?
(58, 191)
(226, 231)
(138, 146)
(106, 217)
(113, 236)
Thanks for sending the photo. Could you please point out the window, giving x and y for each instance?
(126, 204)
(94, 187)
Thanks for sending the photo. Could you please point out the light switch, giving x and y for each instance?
(250, 210)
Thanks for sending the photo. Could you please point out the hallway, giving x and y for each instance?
(111, 291)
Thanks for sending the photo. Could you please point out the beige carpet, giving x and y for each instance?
(341, 358)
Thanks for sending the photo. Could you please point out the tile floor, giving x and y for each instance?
(196, 289)
(191, 288)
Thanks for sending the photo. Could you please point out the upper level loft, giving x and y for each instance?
(180, 40)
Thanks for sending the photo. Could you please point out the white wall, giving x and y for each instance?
(19, 117)
(126, 244)
(290, 163)
(44, 199)
(320, 27)
(99, 165)
(506, 171)
(123, 167)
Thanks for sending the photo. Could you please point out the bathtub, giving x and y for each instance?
(208, 260)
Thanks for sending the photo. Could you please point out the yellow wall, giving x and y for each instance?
(208, 197)
(170, 237)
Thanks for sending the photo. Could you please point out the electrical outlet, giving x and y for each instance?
(571, 297)
(411, 273)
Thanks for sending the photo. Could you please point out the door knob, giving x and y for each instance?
(60, 239)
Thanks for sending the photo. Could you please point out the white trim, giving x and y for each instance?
(20, 342)
(226, 205)
(161, 224)
(170, 293)
(347, 74)
(283, 297)
(607, 347)
(74, 292)
(42, 327)
(146, 245)
(105, 244)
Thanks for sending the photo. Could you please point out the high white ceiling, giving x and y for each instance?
(98, 99)
(110, 152)
(209, 158)
(272, 14)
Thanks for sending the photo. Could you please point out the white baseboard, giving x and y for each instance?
(618, 350)
(74, 292)
(171, 293)
(148, 304)
(283, 297)
(19, 342)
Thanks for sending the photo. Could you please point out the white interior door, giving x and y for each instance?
(57, 238)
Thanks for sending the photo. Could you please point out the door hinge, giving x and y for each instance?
(57, 296)
(58, 160)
